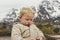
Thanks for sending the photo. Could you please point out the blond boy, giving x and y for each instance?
(26, 29)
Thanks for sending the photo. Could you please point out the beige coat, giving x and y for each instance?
(21, 32)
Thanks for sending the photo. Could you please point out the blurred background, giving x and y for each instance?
(47, 16)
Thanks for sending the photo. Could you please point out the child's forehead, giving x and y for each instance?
(29, 15)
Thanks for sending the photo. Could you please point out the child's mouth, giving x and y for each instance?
(27, 25)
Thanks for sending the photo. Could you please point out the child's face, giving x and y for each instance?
(26, 19)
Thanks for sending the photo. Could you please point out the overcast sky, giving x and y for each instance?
(6, 5)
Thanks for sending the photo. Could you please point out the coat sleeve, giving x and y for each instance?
(16, 33)
(40, 33)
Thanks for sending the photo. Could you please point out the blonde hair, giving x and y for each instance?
(26, 10)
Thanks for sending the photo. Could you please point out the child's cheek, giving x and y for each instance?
(31, 22)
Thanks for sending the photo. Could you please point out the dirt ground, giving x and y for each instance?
(5, 38)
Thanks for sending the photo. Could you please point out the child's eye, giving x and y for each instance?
(31, 19)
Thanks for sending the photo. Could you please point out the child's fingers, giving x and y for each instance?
(31, 38)
(39, 38)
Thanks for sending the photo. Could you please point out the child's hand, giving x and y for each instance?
(31, 38)
(39, 38)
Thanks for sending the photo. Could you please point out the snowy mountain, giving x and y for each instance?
(48, 11)
(11, 16)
